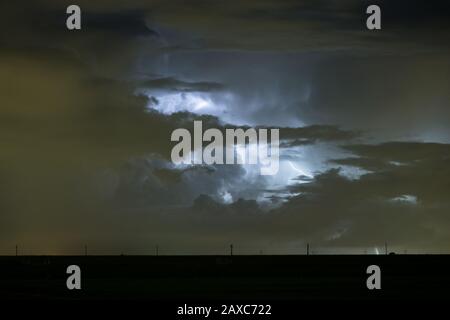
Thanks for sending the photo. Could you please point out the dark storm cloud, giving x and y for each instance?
(263, 25)
(149, 182)
(332, 211)
(42, 25)
(57, 130)
(172, 84)
(310, 134)
(406, 152)
(389, 155)
(336, 211)
(84, 160)
(405, 204)
(308, 25)
(110, 43)
(420, 169)
(326, 78)
(120, 23)
(369, 164)
(387, 95)
(373, 204)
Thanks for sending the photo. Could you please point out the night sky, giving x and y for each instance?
(86, 118)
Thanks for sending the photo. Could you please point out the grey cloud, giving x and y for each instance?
(172, 84)
(408, 152)
(420, 169)
(306, 25)
(310, 134)
(369, 164)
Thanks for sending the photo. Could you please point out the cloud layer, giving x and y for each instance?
(363, 121)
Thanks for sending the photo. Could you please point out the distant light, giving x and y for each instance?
(195, 102)
(405, 199)
(302, 172)
(397, 163)
(227, 197)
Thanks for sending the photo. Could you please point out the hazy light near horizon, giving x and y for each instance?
(194, 102)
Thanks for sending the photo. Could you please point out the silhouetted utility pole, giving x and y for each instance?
(157, 250)
(307, 249)
(17, 251)
(231, 249)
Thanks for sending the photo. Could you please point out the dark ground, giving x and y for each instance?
(213, 278)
